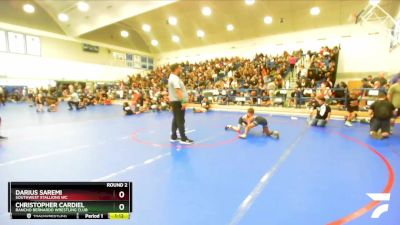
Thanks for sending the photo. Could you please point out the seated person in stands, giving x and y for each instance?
(352, 108)
(145, 107)
(136, 97)
(340, 92)
(99, 99)
(127, 109)
(154, 105)
(104, 98)
(303, 83)
(191, 97)
(325, 91)
(164, 102)
(39, 102)
(65, 94)
(365, 85)
(329, 82)
(242, 98)
(381, 111)
(321, 114)
(74, 101)
(3, 96)
(30, 99)
(90, 99)
(205, 106)
(311, 75)
(107, 100)
(164, 105)
(82, 103)
(296, 97)
(373, 90)
(302, 72)
(279, 82)
(313, 84)
(223, 99)
(253, 99)
(52, 102)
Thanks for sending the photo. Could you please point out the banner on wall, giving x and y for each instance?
(33, 45)
(119, 56)
(150, 63)
(129, 60)
(144, 62)
(137, 61)
(395, 41)
(129, 57)
(16, 42)
(3, 41)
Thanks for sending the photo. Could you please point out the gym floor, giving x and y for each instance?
(311, 176)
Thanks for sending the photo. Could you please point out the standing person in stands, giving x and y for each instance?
(369, 80)
(292, 61)
(321, 114)
(366, 83)
(381, 111)
(394, 98)
(178, 96)
(381, 78)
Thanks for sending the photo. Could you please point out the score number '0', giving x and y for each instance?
(121, 194)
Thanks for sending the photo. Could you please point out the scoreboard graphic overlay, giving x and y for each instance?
(70, 200)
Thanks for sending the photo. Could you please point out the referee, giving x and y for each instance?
(178, 97)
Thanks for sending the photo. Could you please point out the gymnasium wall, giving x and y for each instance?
(62, 58)
(395, 60)
(395, 54)
(364, 49)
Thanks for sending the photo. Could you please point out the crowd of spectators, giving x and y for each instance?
(293, 79)
(263, 80)
(260, 81)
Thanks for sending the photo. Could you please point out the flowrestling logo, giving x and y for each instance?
(383, 197)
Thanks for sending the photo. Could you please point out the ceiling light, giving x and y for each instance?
(200, 33)
(146, 27)
(28, 8)
(230, 27)
(315, 11)
(154, 42)
(83, 6)
(172, 20)
(206, 11)
(175, 39)
(374, 2)
(63, 17)
(268, 20)
(124, 33)
(249, 2)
